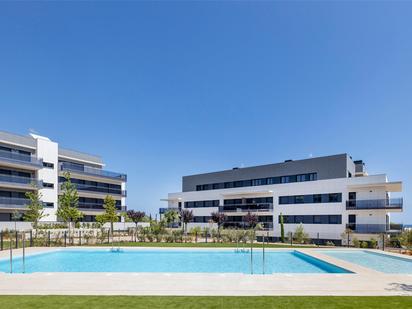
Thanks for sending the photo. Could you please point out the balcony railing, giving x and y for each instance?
(266, 226)
(94, 189)
(20, 180)
(65, 166)
(373, 228)
(19, 158)
(13, 202)
(394, 203)
(93, 206)
(262, 207)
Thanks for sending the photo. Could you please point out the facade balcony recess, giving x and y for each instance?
(18, 180)
(262, 207)
(102, 190)
(93, 206)
(394, 203)
(13, 202)
(265, 226)
(374, 228)
(92, 171)
(18, 158)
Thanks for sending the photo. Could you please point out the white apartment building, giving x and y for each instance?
(36, 160)
(326, 195)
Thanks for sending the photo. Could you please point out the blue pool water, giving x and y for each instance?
(377, 261)
(193, 261)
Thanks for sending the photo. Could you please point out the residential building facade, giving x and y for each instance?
(35, 162)
(327, 195)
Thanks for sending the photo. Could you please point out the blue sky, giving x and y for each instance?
(165, 89)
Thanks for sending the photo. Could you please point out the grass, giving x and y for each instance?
(200, 245)
(194, 302)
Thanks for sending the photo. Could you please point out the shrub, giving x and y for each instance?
(373, 243)
(330, 243)
(364, 244)
(356, 242)
(300, 236)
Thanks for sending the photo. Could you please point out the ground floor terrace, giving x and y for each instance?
(356, 280)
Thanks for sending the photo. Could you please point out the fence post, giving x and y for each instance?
(291, 239)
(80, 238)
(31, 238)
(65, 238)
(1, 240)
(48, 238)
(206, 236)
(196, 236)
(383, 242)
(108, 236)
(318, 240)
(17, 240)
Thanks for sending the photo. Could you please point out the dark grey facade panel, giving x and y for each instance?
(329, 167)
(17, 139)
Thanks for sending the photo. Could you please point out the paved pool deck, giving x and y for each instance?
(362, 282)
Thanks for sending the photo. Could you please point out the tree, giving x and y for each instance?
(68, 210)
(186, 216)
(406, 239)
(136, 216)
(346, 235)
(171, 216)
(251, 219)
(300, 235)
(35, 211)
(219, 218)
(110, 212)
(282, 229)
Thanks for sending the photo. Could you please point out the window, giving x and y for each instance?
(48, 185)
(199, 204)
(311, 198)
(312, 219)
(48, 205)
(258, 182)
(48, 165)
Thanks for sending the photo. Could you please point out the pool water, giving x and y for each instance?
(185, 261)
(381, 262)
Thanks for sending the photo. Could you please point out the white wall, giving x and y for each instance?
(48, 151)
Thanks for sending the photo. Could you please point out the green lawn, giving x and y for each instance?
(119, 302)
(200, 245)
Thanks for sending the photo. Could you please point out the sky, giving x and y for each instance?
(165, 89)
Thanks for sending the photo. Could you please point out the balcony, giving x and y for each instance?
(12, 158)
(266, 226)
(262, 207)
(13, 202)
(374, 228)
(92, 171)
(93, 206)
(396, 203)
(102, 190)
(18, 181)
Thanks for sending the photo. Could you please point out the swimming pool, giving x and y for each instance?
(378, 261)
(171, 260)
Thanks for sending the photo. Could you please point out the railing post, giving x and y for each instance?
(383, 242)
(17, 240)
(31, 238)
(291, 239)
(263, 252)
(24, 252)
(11, 254)
(48, 238)
(206, 236)
(65, 238)
(251, 256)
(80, 238)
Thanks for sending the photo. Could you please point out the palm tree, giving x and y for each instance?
(186, 216)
